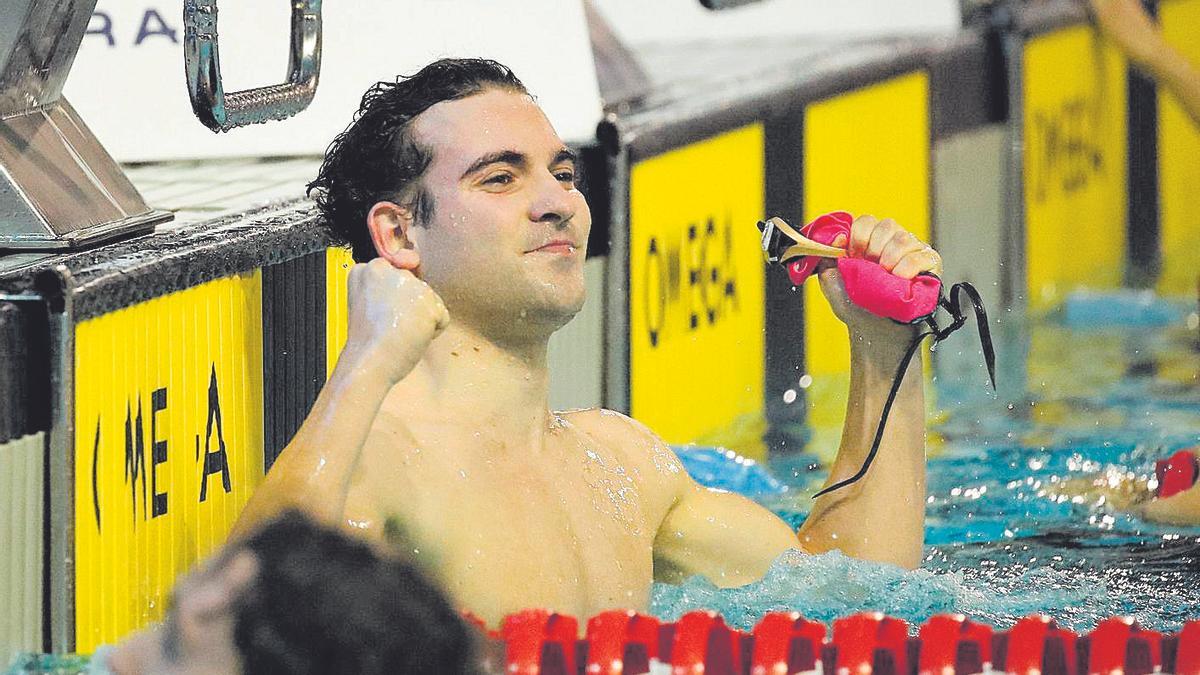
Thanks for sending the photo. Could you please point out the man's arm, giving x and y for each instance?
(881, 517)
(1182, 508)
(1179, 509)
(393, 316)
(1128, 25)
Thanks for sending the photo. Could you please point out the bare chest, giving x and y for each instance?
(569, 527)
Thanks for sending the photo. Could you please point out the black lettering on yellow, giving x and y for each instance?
(705, 253)
(158, 452)
(159, 27)
(95, 475)
(135, 457)
(655, 279)
(1066, 153)
(695, 262)
(729, 273)
(710, 272)
(213, 461)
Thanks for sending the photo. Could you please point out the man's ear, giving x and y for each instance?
(390, 224)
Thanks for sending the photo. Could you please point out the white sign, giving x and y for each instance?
(667, 21)
(129, 86)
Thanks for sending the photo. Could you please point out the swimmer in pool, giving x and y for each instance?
(459, 201)
(1172, 499)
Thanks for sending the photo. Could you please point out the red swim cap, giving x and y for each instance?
(1177, 474)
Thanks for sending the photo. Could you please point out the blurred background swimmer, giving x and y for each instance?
(297, 598)
(1135, 33)
(1172, 497)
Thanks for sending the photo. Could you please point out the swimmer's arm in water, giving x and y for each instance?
(722, 536)
(1179, 509)
(733, 541)
(882, 516)
(393, 316)
(1112, 488)
(1182, 508)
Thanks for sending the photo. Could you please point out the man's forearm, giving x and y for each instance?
(314, 471)
(1178, 76)
(880, 517)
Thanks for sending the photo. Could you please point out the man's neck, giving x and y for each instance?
(503, 387)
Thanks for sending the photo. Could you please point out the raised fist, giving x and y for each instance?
(896, 250)
(393, 316)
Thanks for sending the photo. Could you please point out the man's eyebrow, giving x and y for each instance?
(566, 155)
(500, 157)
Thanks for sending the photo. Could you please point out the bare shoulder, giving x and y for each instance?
(636, 443)
(610, 424)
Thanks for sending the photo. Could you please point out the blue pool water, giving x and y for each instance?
(999, 543)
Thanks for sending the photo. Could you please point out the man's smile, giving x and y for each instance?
(557, 247)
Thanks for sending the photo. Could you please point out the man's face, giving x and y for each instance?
(506, 243)
(197, 635)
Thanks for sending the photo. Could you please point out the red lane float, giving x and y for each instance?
(539, 642)
(786, 643)
(621, 642)
(1036, 646)
(704, 645)
(870, 642)
(1120, 645)
(949, 643)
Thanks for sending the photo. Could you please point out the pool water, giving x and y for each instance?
(1000, 542)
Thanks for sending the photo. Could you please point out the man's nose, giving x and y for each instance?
(552, 203)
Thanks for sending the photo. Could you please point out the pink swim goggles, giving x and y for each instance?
(870, 286)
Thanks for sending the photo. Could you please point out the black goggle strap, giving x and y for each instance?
(953, 305)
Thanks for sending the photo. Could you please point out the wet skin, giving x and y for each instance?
(1123, 491)
(570, 525)
(436, 415)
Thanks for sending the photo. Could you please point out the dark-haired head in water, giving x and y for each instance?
(296, 598)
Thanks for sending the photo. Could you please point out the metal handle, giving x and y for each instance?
(716, 5)
(201, 58)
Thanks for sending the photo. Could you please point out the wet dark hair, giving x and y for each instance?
(325, 604)
(376, 158)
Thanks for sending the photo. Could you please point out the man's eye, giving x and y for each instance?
(566, 176)
(499, 179)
